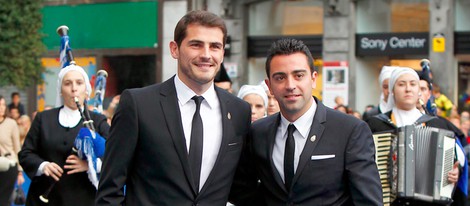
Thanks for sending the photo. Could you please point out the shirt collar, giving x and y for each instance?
(69, 117)
(404, 117)
(185, 94)
(303, 123)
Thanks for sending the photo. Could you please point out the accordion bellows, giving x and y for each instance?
(413, 164)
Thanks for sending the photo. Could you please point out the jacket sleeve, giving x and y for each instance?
(246, 188)
(120, 146)
(364, 180)
(101, 125)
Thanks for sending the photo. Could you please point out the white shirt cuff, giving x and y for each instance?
(460, 155)
(41, 168)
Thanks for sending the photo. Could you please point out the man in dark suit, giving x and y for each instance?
(179, 142)
(307, 154)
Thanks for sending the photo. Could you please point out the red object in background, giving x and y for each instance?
(111, 87)
(92, 82)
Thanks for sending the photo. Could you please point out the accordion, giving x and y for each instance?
(413, 164)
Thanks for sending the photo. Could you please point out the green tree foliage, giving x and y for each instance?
(20, 43)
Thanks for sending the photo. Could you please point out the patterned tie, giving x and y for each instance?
(195, 147)
(289, 157)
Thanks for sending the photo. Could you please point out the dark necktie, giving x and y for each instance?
(195, 146)
(289, 157)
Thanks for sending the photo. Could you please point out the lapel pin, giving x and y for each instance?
(313, 138)
(229, 116)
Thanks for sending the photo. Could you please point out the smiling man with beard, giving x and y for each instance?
(178, 142)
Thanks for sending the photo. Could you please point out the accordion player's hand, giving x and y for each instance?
(453, 175)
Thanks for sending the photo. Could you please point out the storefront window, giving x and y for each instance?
(410, 15)
(269, 20)
(286, 18)
(379, 16)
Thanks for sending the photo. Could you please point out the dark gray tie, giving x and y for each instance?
(289, 157)
(195, 146)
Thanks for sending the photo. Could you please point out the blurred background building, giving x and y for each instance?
(130, 40)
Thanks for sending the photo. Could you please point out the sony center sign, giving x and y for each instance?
(392, 44)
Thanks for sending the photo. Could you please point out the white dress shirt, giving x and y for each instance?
(212, 124)
(302, 128)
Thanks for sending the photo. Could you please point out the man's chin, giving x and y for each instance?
(204, 78)
(291, 109)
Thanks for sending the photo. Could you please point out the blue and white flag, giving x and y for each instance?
(91, 147)
(64, 49)
(462, 182)
(100, 88)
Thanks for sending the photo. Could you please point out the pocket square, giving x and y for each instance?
(234, 146)
(322, 157)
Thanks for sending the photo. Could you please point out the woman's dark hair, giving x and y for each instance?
(6, 109)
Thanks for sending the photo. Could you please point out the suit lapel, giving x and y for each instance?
(227, 132)
(272, 130)
(169, 104)
(316, 129)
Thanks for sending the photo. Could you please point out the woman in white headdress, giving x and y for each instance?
(257, 98)
(273, 105)
(402, 111)
(404, 93)
(46, 153)
(384, 79)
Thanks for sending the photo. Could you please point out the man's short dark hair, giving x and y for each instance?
(13, 94)
(203, 18)
(287, 47)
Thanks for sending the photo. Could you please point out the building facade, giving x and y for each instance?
(364, 35)
(354, 37)
(120, 37)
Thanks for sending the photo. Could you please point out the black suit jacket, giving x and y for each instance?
(348, 177)
(147, 151)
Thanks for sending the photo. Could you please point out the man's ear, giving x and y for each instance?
(269, 85)
(314, 80)
(174, 50)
